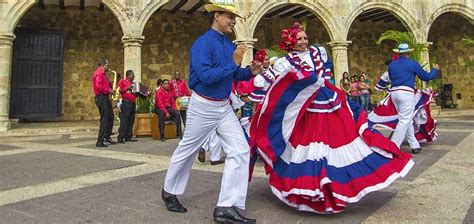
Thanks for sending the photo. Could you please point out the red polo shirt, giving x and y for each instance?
(100, 82)
(181, 86)
(164, 99)
(127, 95)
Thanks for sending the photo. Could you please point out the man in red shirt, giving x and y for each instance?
(127, 108)
(102, 89)
(179, 89)
(165, 107)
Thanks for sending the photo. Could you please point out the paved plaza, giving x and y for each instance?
(61, 177)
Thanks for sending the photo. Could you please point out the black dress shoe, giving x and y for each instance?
(230, 215)
(416, 150)
(162, 139)
(100, 145)
(202, 155)
(110, 141)
(131, 140)
(121, 141)
(217, 162)
(172, 203)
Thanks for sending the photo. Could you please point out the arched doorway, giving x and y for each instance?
(56, 50)
(364, 54)
(169, 34)
(269, 27)
(454, 56)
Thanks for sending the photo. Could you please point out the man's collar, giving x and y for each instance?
(215, 33)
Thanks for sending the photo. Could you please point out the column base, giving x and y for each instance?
(5, 124)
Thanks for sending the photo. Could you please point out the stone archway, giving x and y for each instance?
(316, 8)
(364, 54)
(459, 9)
(89, 34)
(453, 54)
(398, 10)
(268, 29)
(169, 34)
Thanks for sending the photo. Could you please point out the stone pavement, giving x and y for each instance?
(60, 177)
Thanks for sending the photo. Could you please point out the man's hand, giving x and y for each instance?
(436, 66)
(256, 68)
(238, 55)
(167, 115)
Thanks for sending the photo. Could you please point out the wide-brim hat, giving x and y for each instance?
(403, 48)
(222, 6)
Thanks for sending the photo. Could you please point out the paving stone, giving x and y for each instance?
(126, 201)
(455, 125)
(423, 161)
(64, 141)
(8, 147)
(38, 167)
(470, 215)
(450, 138)
(145, 145)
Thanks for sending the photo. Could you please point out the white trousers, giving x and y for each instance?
(404, 102)
(205, 117)
(213, 146)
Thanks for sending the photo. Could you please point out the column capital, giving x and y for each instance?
(426, 45)
(7, 39)
(340, 45)
(248, 41)
(132, 41)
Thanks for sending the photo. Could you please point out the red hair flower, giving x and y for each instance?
(288, 37)
(260, 55)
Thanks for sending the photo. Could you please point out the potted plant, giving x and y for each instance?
(145, 117)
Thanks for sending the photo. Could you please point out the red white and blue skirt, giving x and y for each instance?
(318, 152)
(386, 116)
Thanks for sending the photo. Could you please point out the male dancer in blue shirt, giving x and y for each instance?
(215, 64)
(402, 73)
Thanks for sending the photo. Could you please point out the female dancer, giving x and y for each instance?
(318, 151)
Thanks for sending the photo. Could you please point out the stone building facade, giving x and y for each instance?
(153, 37)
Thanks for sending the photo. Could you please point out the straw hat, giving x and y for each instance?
(403, 48)
(223, 6)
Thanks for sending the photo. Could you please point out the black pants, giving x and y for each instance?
(183, 116)
(106, 117)
(174, 115)
(127, 118)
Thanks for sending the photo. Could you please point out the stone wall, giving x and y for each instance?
(268, 31)
(168, 39)
(88, 36)
(451, 53)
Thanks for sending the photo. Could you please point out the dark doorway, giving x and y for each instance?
(37, 74)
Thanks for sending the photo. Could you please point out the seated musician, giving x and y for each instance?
(179, 89)
(165, 108)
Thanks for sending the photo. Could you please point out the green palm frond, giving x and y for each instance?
(275, 51)
(469, 41)
(403, 37)
(468, 65)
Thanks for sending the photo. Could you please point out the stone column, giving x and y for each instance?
(425, 59)
(248, 57)
(425, 56)
(133, 55)
(6, 50)
(340, 59)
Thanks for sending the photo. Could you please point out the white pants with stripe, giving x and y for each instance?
(213, 146)
(205, 117)
(404, 102)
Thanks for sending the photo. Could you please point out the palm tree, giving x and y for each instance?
(408, 38)
(403, 37)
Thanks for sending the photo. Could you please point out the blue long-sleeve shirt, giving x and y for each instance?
(212, 68)
(402, 72)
